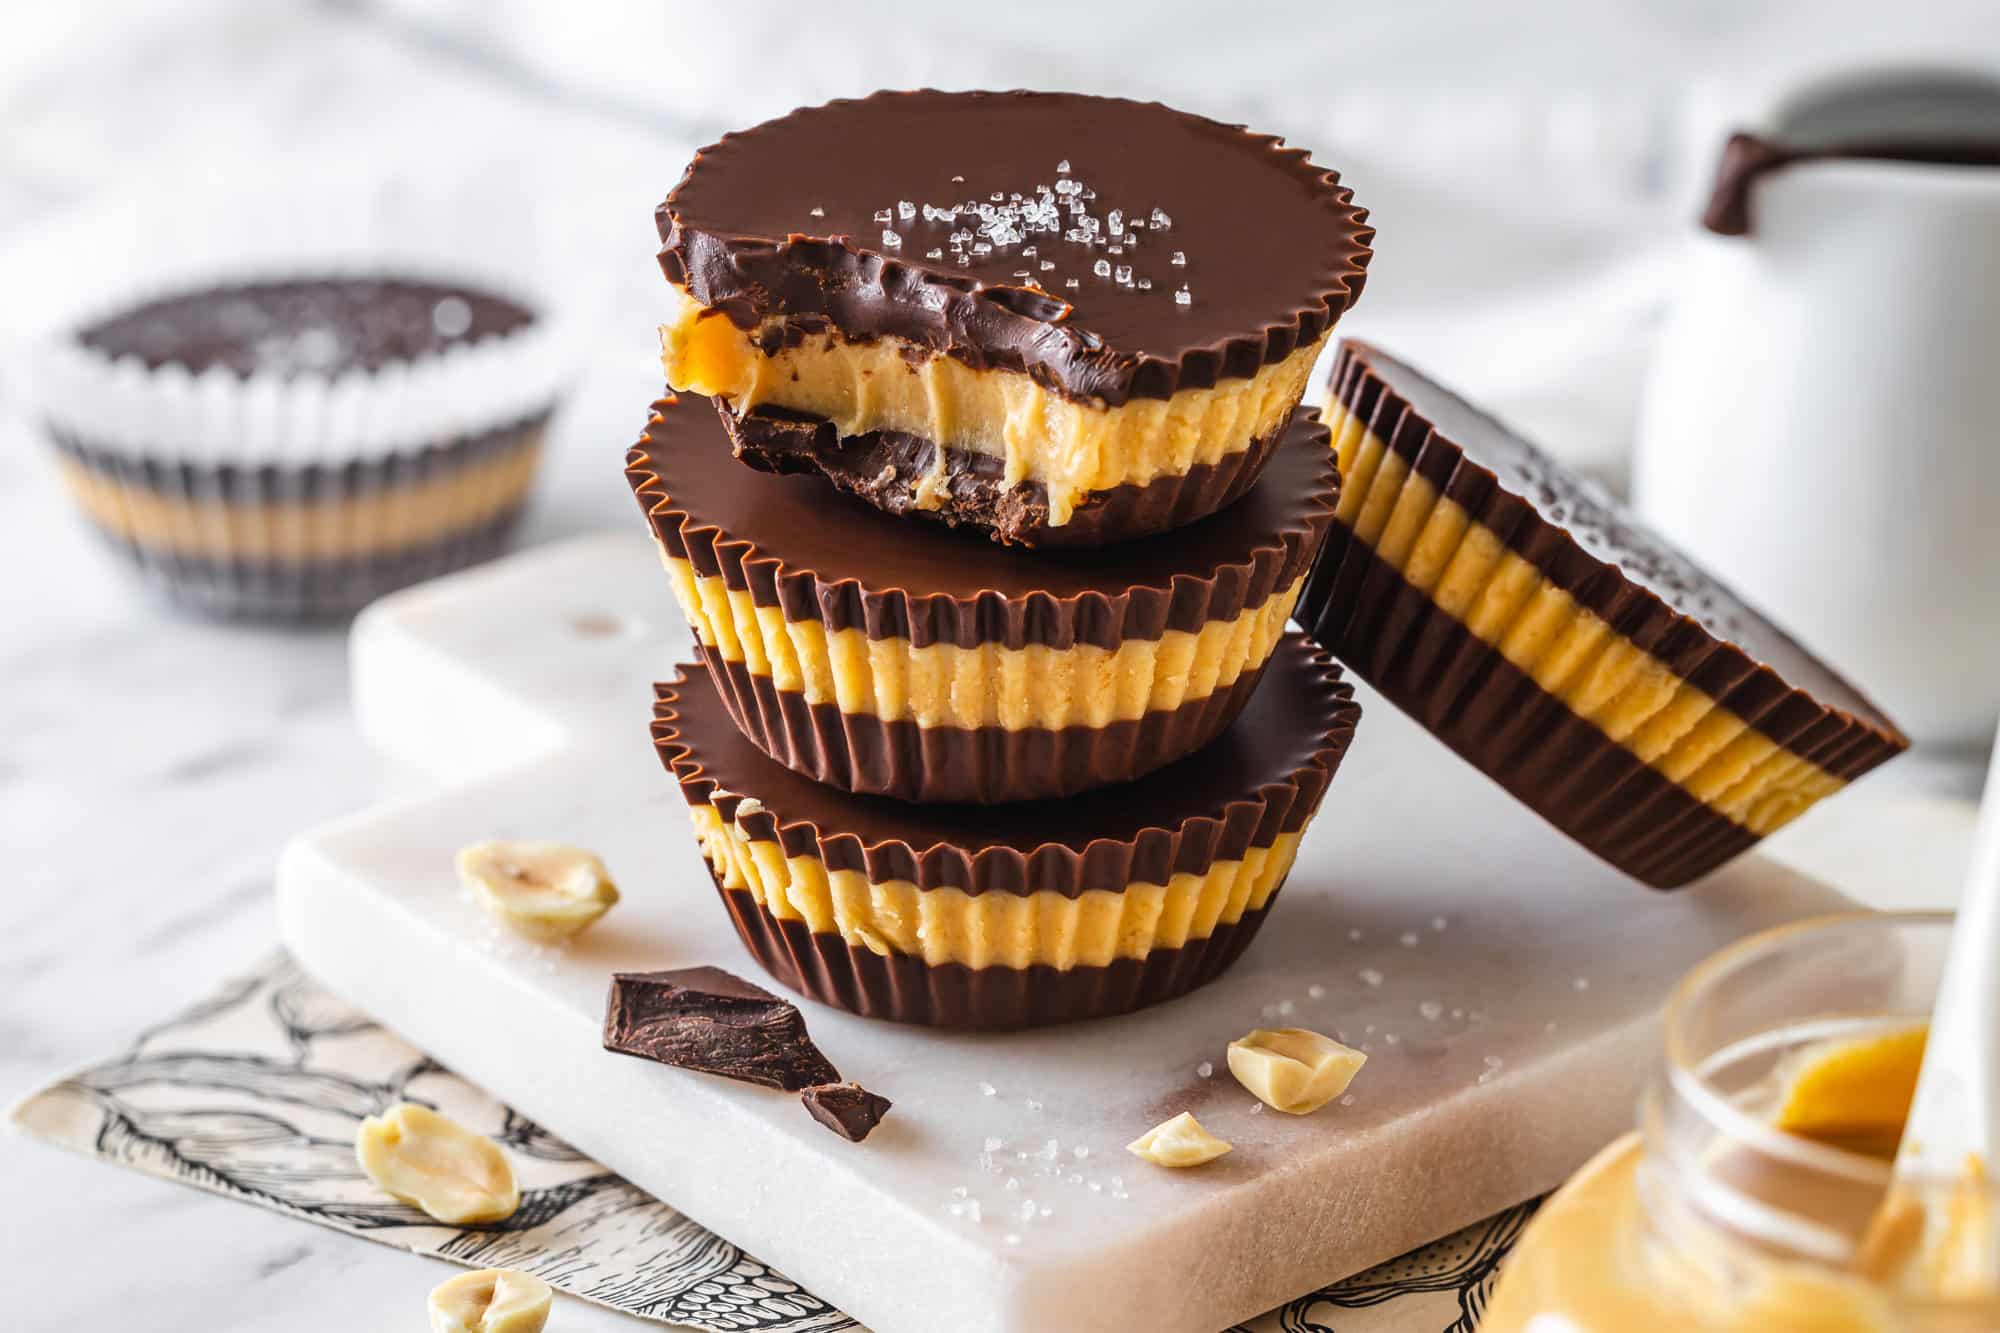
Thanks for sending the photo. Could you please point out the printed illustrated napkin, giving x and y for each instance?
(256, 1093)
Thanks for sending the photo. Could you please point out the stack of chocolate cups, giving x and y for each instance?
(988, 496)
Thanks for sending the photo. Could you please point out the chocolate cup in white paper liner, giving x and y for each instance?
(298, 493)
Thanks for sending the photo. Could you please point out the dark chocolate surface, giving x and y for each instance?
(848, 1109)
(884, 468)
(1584, 540)
(319, 326)
(984, 765)
(905, 989)
(1261, 777)
(786, 219)
(1499, 720)
(796, 542)
(714, 1022)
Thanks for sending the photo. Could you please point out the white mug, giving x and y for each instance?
(1821, 427)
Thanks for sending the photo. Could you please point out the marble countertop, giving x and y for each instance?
(152, 766)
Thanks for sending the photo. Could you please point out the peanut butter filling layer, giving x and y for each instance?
(1010, 930)
(397, 518)
(944, 685)
(1071, 447)
(1468, 573)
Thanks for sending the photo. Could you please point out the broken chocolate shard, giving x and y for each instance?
(848, 1109)
(706, 1019)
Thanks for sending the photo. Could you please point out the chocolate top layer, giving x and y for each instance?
(320, 326)
(1584, 534)
(822, 554)
(819, 216)
(1263, 776)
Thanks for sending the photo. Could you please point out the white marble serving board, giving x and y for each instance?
(1506, 984)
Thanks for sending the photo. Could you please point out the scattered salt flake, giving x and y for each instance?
(1102, 268)
(1079, 1152)
(1179, 260)
(1269, 1011)
(1439, 923)
(884, 215)
(934, 253)
(1123, 273)
(1013, 1185)
(1315, 992)
(1206, 1069)
(1160, 220)
(1409, 939)
(1370, 977)
(1115, 220)
(1062, 167)
(958, 180)
(1047, 265)
(1071, 282)
(1183, 297)
(1258, 1109)
(1046, 1211)
(1114, 249)
(1347, 1100)
(993, 1144)
(1458, 1013)
(1021, 1156)
(905, 209)
(1051, 1150)
(986, 1089)
(1354, 934)
(1097, 1187)
(1431, 1010)
(818, 212)
(1581, 983)
(1145, 284)
(982, 248)
(1028, 1208)
(1034, 1105)
(891, 241)
(1391, 1038)
(1286, 1008)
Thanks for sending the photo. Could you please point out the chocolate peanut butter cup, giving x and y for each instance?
(296, 447)
(1020, 915)
(1552, 640)
(1062, 319)
(912, 661)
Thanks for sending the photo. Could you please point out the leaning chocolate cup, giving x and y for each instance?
(1044, 912)
(1545, 634)
(907, 660)
(1058, 319)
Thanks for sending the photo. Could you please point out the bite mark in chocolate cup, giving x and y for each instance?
(1061, 283)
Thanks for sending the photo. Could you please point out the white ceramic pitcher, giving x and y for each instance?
(1822, 424)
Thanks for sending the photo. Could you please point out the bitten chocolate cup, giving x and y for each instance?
(1545, 634)
(993, 918)
(908, 660)
(1062, 320)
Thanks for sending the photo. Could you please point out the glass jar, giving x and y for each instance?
(1713, 1219)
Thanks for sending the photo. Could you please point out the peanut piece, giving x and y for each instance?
(434, 1163)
